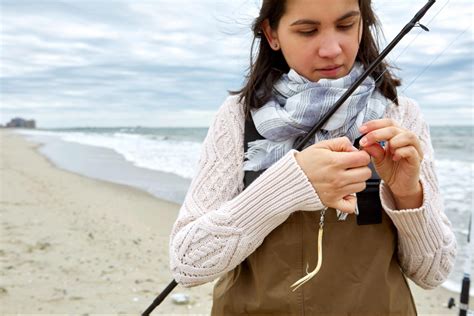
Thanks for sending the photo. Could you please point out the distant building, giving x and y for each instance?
(21, 123)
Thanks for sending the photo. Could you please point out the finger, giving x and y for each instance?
(379, 135)
(351, 160)
(375, 151)
(353, 188)
(356, 176)
(373, 125)
(406, 139)
(409, 153)
(347, 204)
(340, 144)
(335, 193)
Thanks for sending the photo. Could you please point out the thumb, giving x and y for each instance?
(340, 144)
(347, 204)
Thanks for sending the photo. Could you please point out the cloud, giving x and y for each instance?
(163, 62)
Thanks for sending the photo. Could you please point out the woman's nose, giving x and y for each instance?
(329, 47)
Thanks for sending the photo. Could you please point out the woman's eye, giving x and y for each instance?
(306, 33)
(345, 26)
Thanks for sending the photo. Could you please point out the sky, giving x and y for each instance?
(171, 63)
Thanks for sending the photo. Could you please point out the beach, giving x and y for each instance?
(76, 245)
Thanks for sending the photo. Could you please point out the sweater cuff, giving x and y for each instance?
(312, 201)
(282, 187)
(417, 229)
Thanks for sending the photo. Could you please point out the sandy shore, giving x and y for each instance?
(75, 245)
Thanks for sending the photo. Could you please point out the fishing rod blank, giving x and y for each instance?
(160, 298)
(414, 22)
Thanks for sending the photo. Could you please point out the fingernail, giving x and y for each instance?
(363, 141)
(363, 129)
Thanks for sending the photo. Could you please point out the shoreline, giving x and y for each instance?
(106, 164)
(71, 243)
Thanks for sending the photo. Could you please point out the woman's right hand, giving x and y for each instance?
(337, 170)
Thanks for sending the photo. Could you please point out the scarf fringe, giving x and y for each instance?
(258, 152)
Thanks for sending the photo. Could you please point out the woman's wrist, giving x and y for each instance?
(410, 200)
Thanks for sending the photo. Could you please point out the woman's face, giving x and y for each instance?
(318, 38)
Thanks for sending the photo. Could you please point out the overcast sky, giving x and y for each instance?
(170, 62)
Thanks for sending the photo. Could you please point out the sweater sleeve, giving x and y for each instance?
(219, 225)
(427, 245)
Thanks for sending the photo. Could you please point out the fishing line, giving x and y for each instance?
(435, 59)
(411, 42)
(431, 63)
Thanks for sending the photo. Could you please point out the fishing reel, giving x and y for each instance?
(464, 298)
(463, 308)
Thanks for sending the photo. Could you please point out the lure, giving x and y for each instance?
(310, 275)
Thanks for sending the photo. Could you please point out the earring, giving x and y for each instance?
(276, 46)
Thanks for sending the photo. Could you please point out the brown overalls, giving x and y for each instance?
(360, 273)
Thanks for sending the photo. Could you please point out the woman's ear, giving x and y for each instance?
(270, 35)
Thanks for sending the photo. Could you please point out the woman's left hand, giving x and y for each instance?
(398, 164)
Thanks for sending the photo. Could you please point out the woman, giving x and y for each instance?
(263, 239)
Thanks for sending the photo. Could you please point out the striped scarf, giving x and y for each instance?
(298, 104)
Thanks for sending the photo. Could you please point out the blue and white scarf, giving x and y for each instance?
(298, 104)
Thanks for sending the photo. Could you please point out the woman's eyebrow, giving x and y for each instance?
(314, 22)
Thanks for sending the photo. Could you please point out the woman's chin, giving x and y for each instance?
(332, 74)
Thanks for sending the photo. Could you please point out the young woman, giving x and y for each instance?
(263, 239)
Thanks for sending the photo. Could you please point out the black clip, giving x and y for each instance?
(422, 26)
(368, 201)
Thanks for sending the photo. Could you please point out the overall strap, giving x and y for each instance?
(250, 135)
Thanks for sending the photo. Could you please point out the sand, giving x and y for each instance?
(75, 245)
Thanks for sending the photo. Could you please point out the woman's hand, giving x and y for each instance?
(337, 170)
(398, 164)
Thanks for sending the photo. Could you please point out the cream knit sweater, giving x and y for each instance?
(219, 225)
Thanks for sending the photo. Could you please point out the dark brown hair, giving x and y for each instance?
(270, 64)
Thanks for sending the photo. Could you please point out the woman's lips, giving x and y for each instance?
(330, 71)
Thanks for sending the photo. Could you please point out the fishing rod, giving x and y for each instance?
(415, 21)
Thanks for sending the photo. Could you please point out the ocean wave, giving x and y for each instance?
(155, 152)
(455, 286)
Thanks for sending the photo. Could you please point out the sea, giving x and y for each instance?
(163, 161)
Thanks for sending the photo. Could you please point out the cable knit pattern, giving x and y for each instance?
(219, 224)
